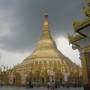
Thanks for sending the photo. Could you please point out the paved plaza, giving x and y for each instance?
(40, 88)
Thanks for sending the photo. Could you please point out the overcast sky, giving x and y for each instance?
(21, 26)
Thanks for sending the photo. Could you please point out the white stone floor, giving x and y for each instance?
(40, 88)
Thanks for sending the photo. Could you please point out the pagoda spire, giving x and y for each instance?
(45, 27)
(45, 23)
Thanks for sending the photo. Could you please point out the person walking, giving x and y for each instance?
(48, 85)
(52, 85)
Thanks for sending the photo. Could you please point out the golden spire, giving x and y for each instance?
(45, 23)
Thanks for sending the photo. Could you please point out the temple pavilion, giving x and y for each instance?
(81, 40)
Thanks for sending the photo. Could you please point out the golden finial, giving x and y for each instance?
(45, 23)
(45, 14)
(45, 17)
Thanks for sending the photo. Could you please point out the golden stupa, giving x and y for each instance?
(46, 62)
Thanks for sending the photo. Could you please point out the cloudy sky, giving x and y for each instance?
(21, 27)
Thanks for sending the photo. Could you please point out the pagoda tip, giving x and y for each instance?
(45, 14)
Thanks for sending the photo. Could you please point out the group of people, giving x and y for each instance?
(52, 85)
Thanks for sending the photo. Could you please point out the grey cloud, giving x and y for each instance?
(28, 17)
